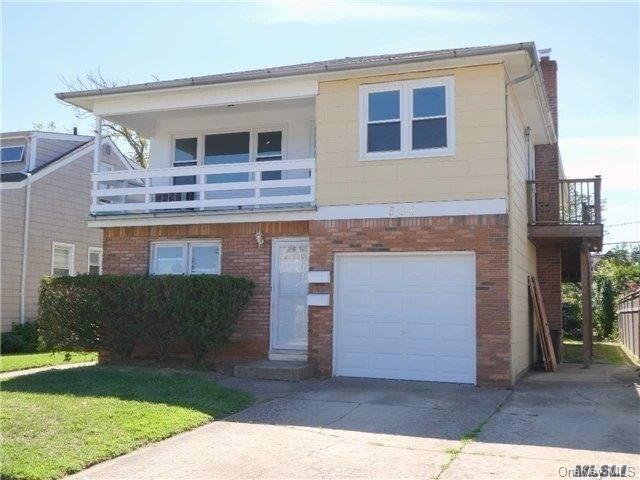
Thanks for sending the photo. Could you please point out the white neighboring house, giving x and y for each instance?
(45, 191)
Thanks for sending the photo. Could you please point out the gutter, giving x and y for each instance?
(306, 69)
(25, 245)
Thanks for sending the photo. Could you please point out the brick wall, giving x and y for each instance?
(486, 235)
(549, 70)
(550, 279)
(548, 206)
(126, 251)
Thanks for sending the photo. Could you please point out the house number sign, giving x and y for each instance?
(403, 210)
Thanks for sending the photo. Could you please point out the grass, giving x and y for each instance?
(603, 352)
(22, 361)
(61, 421)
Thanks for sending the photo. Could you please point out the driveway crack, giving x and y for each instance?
(469, 437)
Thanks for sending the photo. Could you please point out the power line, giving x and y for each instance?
(626, 223)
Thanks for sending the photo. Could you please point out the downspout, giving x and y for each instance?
(25, 245)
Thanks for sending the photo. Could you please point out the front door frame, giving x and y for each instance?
(278, 353)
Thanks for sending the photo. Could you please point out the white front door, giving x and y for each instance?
(289, 267)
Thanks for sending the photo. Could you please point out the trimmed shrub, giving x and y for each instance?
(23, 338)
(115, 313)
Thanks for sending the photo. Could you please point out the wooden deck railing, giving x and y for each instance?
(565, 202)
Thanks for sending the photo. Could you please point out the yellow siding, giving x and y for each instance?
(522, 252)
(478, 170)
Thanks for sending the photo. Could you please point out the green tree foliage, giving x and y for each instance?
(614, 273)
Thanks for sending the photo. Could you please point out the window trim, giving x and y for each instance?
(97, 250)
(406, 88)
(253, 139)
(72, 253)
(22, 147)
(186, 254)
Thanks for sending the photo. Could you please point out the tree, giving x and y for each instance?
(607, 312)
(138, 145)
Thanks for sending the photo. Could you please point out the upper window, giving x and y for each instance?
(95, 261)
(62, 259)
(407, 119)
(11, 154)
(186, 258)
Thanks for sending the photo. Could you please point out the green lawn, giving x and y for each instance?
(603, 352)
(61, 421)
(22, 361)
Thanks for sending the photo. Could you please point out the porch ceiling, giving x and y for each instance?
(145, 122)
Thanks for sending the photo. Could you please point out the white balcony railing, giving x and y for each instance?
(269, 184)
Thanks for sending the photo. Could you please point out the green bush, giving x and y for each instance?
(23, 338)
(115, 313)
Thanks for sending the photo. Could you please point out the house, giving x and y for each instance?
(45, 192)
(389, 208)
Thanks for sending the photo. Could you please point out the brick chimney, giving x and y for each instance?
(549, 70)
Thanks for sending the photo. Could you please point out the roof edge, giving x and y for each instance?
(345, 64)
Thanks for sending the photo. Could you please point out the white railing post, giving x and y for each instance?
(257, 176)
(201, 180)
(96, 156)
(147, 195)
(312, 189)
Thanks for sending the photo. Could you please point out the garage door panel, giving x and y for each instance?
(421, 331)
(353, 328)
(406, 317)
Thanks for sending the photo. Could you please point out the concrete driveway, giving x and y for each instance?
(355, 428)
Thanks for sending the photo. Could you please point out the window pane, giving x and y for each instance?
(204, 259)
(94, 258)
(429, 102)
(94, 270)
(186, 149)
(270, 149)
(269, 144)
(11, 154)
(60, 272)
(429, 133)
(384, 105)
(227, 148)
(169, 260)
(383, 137)
(61, 258)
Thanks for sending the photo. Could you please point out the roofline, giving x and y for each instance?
(63, 160)
(308, 68)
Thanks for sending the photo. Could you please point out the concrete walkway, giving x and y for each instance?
(356, 428)
(29, 371)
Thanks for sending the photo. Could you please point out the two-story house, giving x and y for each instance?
(389, 208)
(45, 192)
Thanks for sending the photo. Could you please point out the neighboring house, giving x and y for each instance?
(45, 193)
(381, 204)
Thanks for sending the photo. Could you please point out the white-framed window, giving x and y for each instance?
(62, 259)
(94, 261)
(11, 154)
(194, 257)
(406, 119)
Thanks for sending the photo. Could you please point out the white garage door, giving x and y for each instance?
(408, 317)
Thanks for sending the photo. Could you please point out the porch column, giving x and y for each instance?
(585, 284)
(96, 155)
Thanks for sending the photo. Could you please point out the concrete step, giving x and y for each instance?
(274, 370)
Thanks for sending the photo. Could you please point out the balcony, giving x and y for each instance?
(224, 187)
(566, 211)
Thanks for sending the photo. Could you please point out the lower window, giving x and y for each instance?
(62, 259)
(95, 261)
(186, 258)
